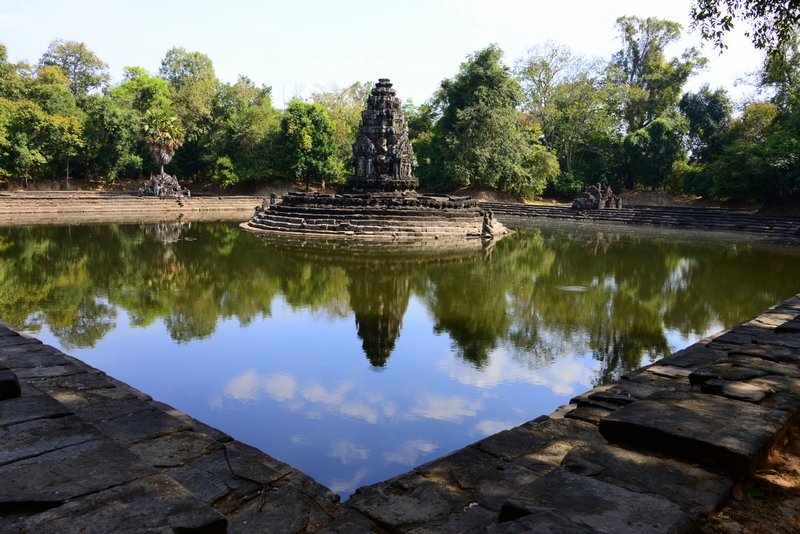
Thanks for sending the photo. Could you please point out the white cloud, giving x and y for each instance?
(348, 485)
(244, 387)
(346, 451)
(410, 451)
(320, 394)
(488, 427)
(443, 408)
(280, 386)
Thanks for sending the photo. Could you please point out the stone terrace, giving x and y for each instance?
(654, 452)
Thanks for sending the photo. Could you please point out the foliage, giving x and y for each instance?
(709, 114)
(82, 67)
(771, 22)
(164, 134)
(307, 143)
(652, 152)
(652, 82)
(111, 133)
(344, 107)
(477, 140)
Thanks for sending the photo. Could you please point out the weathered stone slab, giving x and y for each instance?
(407, 501)
(29, 407)
(695, 490)
(546, 437)
(30, 355)
(73, 382)
(9, 385)
(789, 327)
(15, 340)
(694, 356)
(732, 435)
(588, 413)
(723, 371)
(597, 505)
(539, 521)
(152, 504)
(174, 450)
(48, 371)
(193, 423)
(96, 408)
(486, 480)
(69, 472)
(140, 425)
(769, 352)
(668, 371)
(32, 438)
(743, 391)
(278, 510)
(781, 340)
(765, 366)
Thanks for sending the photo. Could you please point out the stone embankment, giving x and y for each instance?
(655, 452)
(694, 218)
(54, 207)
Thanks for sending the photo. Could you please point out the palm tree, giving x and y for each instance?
(163, 134)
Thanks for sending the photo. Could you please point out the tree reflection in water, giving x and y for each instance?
(540, 294)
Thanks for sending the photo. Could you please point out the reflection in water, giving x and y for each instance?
(264, 333)
(539, 294)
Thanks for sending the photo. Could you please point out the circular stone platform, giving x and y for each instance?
(376, 215)
(378, 200)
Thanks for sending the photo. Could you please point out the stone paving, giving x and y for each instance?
(654, 452)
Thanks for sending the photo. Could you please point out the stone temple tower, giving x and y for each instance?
(382, 154)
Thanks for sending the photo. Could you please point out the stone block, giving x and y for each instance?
(406, 502)
(29, 407)
(485, 479)
(32, 438)
(9, 385)
(151, 504)
(589, 414)
(140, 425)
(743, 391)
(695, 490)
(769, 352)
(546, 437)
(730, 435)
(597, 505)
(69, 472)
(174, 450)
(791, 341)
(789, 327)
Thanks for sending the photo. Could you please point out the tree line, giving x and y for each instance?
(552, 123)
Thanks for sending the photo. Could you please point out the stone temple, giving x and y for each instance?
(379, 199)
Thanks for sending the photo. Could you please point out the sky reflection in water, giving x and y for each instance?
(355, 365)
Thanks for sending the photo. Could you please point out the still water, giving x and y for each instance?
(357, 363)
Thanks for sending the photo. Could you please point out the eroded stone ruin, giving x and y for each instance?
(597, 197)
(379, 199)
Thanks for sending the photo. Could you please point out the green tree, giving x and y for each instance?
(771, 22)
(654, 84)
(83, 68)
(653, 151)
(193, 86)
(307, 142)
(112, 135)
(244, 128)
(709, 114)
(477, 140)
(344, 107)
(142, 91)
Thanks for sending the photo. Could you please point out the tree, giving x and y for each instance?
(83, 68)
(307, 142)
(112, 134)
(652, 152)
(344, 107)
(244, 127)
(477, 140)
(193, 85)
(142, 91)
(709, 115)
(163, 135)
(653, 83)
(771, 22)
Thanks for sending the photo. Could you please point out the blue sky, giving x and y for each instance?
(302, 46)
